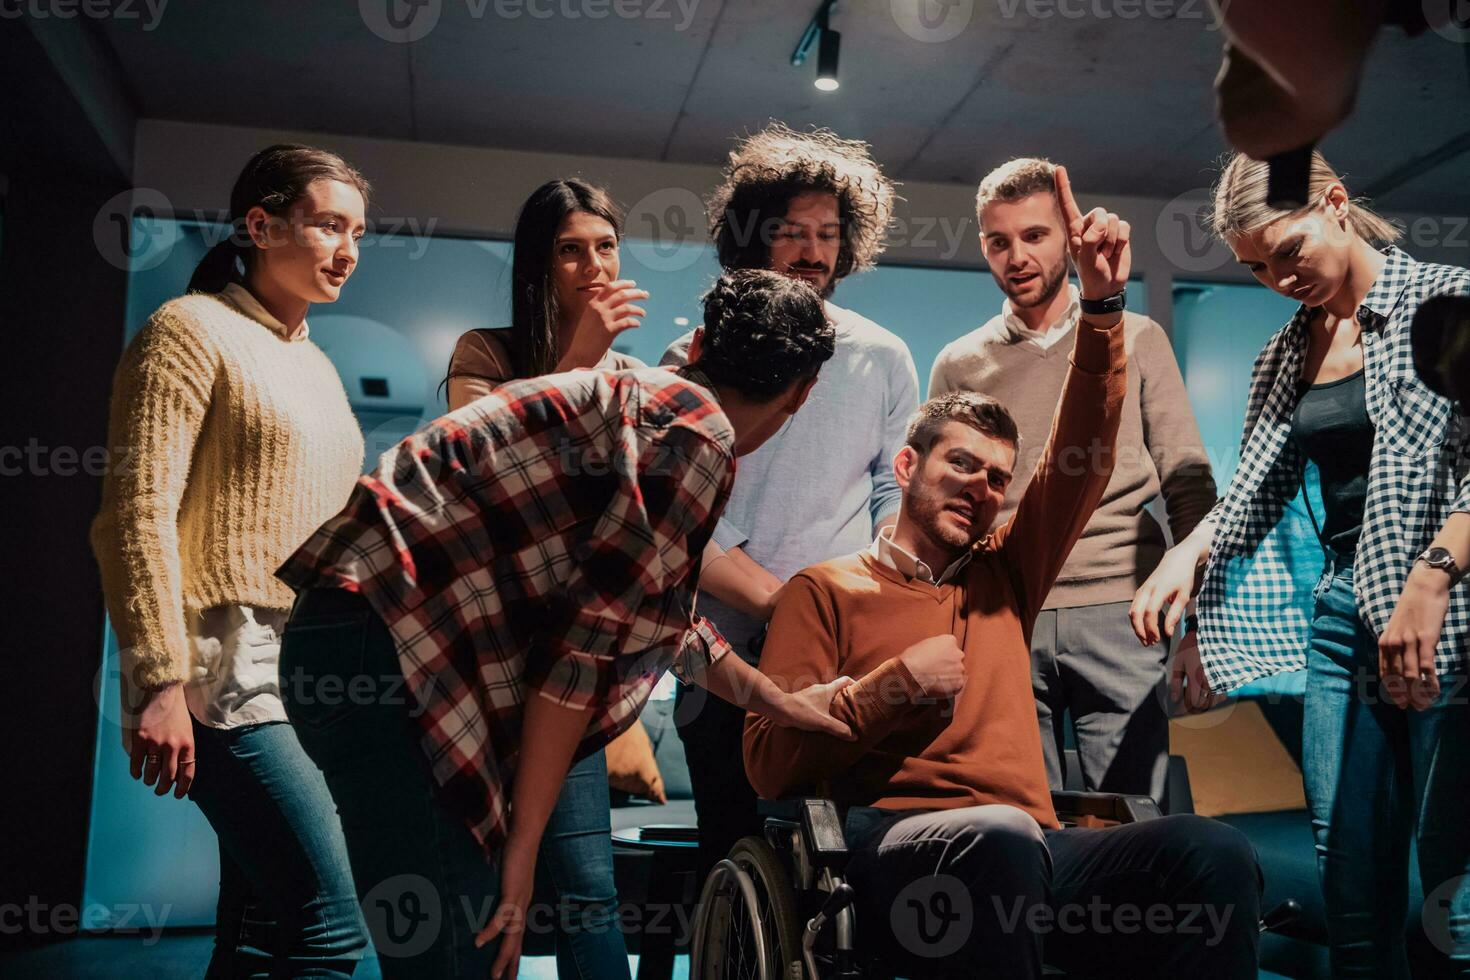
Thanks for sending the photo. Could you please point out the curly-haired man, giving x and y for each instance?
(814, 207)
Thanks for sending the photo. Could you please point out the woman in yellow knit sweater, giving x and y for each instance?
(243, 443)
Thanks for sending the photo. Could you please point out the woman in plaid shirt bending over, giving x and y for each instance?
(541, 540)
(1382, 632)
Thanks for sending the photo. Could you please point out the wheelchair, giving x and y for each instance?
(777, 908)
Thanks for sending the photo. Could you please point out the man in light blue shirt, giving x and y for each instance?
(813, 207)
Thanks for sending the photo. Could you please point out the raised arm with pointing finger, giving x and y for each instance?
(941, 658)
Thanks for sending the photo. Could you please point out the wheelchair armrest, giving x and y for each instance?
(784, 809)
(820, 825)
(1116, 807)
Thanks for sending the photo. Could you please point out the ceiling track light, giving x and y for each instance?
(827, 42)
(827, 60)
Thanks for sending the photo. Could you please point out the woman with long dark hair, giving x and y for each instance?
(1383, 635)
(242, 442)
(567, 302)
(567, 306)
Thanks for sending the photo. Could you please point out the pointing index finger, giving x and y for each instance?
(1071, 214)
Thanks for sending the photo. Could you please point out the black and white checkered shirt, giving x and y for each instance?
(1255, 605)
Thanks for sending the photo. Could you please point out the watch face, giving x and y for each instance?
(1441, 559)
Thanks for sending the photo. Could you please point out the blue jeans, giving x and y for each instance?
(1377, 775)
(574, 875)
(286, 903)
(427, 886)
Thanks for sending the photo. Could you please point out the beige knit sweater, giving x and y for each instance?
(230, 444)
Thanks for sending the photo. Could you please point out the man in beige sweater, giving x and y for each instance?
(1084, 657)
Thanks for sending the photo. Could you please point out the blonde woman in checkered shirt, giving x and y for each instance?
(1383, 632)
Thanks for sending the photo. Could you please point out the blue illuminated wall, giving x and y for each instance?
(1218, 331)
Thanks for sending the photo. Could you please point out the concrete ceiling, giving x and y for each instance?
(1127, 101)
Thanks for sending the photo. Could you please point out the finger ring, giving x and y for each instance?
(152, 758)
(1424, 675)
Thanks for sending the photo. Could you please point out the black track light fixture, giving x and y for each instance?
(819, 33)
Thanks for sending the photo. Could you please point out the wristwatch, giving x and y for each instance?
(1108, 304)
(1441, 559)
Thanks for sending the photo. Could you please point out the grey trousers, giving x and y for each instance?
(1086, 660)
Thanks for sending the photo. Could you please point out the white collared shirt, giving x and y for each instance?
(234, 675)
(900, 559)
(1018, 331)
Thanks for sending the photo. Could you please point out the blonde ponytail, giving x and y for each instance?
(1241, 207)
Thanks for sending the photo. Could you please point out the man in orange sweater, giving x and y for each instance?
(958, 861)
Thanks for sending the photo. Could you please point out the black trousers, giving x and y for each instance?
(711, 729)
(983, 891)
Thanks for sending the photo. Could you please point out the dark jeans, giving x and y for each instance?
(425, 884)
(980, 891)
(1376, 776)
(286, 903)
(724, 801)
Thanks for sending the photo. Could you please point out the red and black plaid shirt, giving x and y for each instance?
(544, 538)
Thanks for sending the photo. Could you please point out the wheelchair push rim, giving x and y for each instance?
(747, 926)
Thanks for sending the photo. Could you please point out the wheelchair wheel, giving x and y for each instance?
(747, 926)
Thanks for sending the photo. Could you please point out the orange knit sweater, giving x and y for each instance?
(856, 616)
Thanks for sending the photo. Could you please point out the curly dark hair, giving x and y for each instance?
(980, 412)
(768, 169)
(762, 332)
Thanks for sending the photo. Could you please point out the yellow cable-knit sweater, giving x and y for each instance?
(230, 444)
